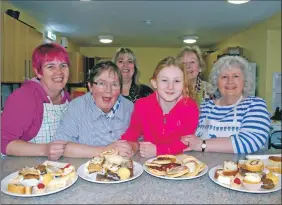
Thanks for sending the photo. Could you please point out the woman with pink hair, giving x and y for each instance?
(33, 111)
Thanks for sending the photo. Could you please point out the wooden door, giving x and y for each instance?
(76, 68)
(35, 39)
(20, 52)
(8, 45)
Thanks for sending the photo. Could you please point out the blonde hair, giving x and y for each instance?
(126, 51)
(193, 49)
(171, 61)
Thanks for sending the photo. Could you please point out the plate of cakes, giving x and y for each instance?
(180, 167)
(110, 168)
(43, 179)
(253, 175)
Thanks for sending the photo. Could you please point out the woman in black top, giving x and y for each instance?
(131, 88)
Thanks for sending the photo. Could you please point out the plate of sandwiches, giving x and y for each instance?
(173, 167)
(110, 168)
(252, 175)
(43, 179)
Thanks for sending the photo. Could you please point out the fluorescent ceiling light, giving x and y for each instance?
(106, 38)
(238, 1)
(190, 39)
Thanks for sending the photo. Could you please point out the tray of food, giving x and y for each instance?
(175, 167)
(254, 175)
(109, 168)
(43, 179)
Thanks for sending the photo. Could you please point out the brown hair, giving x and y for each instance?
(171, 61)
(100, 67)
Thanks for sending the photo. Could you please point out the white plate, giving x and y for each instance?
(177, 178)
(242, 189)
(5, 181)
(83, 173)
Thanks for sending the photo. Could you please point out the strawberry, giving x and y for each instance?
(40, 186)
(237, 181)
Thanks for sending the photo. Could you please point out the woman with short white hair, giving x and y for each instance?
(235, 122)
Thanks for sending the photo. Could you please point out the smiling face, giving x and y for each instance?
(231, 82)
(105, 96)
(54, 75)
(191, 63)
(169, 83)
(126, 65)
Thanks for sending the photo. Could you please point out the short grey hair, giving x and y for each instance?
(230, 62)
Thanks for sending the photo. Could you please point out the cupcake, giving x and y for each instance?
(39, 189)
(252, 181)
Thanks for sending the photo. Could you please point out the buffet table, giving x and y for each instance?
(145, 189)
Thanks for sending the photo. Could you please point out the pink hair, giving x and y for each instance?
(48, 52)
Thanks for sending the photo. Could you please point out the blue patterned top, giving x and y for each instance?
(251, 113)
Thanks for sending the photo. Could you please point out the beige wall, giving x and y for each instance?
(262, 45)
(147, 57)
(273, 61)
(33, 22)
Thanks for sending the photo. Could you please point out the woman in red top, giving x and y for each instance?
(163, 117)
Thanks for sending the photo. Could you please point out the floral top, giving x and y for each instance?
(136, 92)
(201, 93)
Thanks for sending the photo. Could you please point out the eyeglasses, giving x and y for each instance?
(103, 84)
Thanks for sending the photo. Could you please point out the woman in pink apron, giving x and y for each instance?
(32, 112)
(235, 122)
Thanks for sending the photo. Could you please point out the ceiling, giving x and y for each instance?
(211, 21)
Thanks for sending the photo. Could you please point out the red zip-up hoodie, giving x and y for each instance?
(163, 130)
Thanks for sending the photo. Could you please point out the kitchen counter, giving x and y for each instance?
(146, 189)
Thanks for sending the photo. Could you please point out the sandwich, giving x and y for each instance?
(177, 171)
(164, 159)
(30, 173)
(195, 166)
(95, 165)
(156, 169)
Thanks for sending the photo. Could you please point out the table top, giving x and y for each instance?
(145, 189)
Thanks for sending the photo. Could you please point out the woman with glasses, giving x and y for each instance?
(33, 111)
(193, 61)
(94, 122)
(131, 88)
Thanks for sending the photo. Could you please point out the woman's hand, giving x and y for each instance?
(123, 147)
(56, 149)
(193, 142)
(147, 149)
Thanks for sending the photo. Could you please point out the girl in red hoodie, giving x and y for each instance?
(163, 117)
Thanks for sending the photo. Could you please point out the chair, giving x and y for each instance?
(275, 140)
